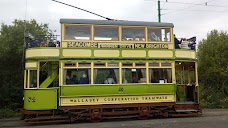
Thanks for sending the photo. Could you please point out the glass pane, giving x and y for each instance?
(160, 75)
(113, 64)
(154, 34)
(33, 79)
(99, 64)
(105, 33)
(106, 76)
(154, 64)
(127, 64)
(165, 64)
(77, 32)
(140, 64)
(134, 75)
(70, 64)
(77, 76)
(136, 34)
(166, 35)
(84, 64)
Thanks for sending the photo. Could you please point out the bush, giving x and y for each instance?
(6, 113)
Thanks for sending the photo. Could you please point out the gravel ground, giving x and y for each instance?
(212, 118)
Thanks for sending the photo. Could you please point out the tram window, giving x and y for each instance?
(77, 76)
(127, 64)
(106, 76)
(70, 64)
(154, 34)
(154, 64)
(25, 79)
(165, 35)
(99, 64)
(136, 34)
(106, 33)
(134, 75)
(84, 64)
(77, 32)
(113, 64)
(140, 64)
(160, 75)
(165, 64)
(33, 79)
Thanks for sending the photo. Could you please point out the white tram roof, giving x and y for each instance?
(115, 22)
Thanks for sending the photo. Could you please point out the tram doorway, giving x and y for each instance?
(187, 86)
(48, 74)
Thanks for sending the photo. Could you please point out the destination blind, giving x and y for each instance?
(116, 45)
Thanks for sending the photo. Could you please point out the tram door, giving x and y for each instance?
(48, 74)
(186, 81)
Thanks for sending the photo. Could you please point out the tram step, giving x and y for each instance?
(116, 117)
(47, 121)
(187, 110)
(50, 118)
(185, 102)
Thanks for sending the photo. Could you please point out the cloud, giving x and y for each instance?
(187, 23)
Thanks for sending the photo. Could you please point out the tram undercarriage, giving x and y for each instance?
(97, 113)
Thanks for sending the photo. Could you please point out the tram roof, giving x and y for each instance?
(115, 22)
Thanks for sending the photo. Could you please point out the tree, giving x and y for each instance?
(213, 69)
(12, 62)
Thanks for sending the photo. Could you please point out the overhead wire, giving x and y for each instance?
(193, 5)
(200, 4)
(83, 10)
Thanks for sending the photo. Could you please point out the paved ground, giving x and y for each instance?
(212, 118)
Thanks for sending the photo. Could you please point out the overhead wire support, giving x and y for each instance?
(200, 4)
(83, 10)
(159, 11)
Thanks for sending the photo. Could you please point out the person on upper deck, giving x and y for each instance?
(177, 42)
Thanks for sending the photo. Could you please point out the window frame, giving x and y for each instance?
(134, 27)
(78, 25)
(160, 28)
(106, 26)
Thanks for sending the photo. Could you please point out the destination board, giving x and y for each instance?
(116, 45)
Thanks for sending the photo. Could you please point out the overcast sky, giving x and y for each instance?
(189, 20)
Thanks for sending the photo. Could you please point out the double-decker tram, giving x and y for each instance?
(110, 69)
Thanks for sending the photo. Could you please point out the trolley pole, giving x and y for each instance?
(159, 11)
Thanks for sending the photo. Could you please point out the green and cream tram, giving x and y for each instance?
(110, 69)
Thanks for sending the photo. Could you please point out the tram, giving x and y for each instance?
(110, 69)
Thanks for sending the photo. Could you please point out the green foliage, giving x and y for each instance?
(6, 112)
(213, 69)
(12, 62)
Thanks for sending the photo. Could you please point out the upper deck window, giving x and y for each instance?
(136, 34)
(77, 32)
(105, 33)
(159, 34)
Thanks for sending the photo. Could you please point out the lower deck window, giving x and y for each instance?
(33, 79)
(77, 76)
(160, 75)
(106, 76)
(133, 75)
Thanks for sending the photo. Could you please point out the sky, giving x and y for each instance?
(190, 17)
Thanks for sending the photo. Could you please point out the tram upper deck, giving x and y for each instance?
(85, 38)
